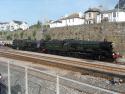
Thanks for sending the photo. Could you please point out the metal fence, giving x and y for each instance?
(23, 79)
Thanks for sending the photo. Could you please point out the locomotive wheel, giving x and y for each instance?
(99, 57)
(17, 48)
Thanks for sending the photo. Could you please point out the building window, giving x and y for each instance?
(114, 14)
(69, 20)
(101, 16)
(89, 22)
(89, 14)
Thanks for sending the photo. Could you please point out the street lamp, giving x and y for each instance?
(118, 12)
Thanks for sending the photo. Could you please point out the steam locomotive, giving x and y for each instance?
(96, 50)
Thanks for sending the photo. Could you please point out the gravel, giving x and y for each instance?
(42, 86)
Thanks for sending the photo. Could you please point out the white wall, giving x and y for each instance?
(24, 26)
(11, 26)
(76, 21)
(121, 16)
(4, 27)
(68, 22)
(98, 18)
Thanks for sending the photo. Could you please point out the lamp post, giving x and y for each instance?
(118, 12)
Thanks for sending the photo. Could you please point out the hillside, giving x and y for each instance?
(114, 32)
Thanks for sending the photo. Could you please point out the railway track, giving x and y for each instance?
(66, 63)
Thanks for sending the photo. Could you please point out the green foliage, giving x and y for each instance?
(29, 37)
(34, 34)
(39, 24)
(9, 37)
(47, 37)
(16, 36)
(36, 26)
(0, 33)
(21, 35)
(83, 32)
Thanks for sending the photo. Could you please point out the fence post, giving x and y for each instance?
(26, 80)
(57, 85)
(9, 86)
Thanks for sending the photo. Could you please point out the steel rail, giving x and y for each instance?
(97, 66)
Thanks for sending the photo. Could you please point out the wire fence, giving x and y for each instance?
(22, 79)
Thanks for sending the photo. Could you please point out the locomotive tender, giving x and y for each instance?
(97, 50)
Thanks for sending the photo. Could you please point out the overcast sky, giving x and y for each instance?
(33, 10)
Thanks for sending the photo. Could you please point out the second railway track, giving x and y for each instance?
(66, 63)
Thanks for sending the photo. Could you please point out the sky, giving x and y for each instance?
(31, 11)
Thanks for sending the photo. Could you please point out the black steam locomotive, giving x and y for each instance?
(97, 50)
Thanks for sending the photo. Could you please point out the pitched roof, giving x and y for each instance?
(58, 21)
(74, 15)
(3, 23)
(113, 10)
(18, 22)
(93, 10)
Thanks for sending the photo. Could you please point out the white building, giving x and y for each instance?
(114, 15)
(91, 15)
(13, 25)
(4, 26)
(69, 20)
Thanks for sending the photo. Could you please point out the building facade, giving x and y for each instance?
(13, 25)
(69, 20)
(114, 15)
(4, 26)
(91, 15)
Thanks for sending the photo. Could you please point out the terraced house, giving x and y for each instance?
(13, 25)
(93, 16)
(69, 20)
(114, 15)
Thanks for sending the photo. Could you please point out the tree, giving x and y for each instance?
(34, 34)
(29, 37)
(21, 34)
(9, 37)
(16, 36)
(47, 37)
(39, 24)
